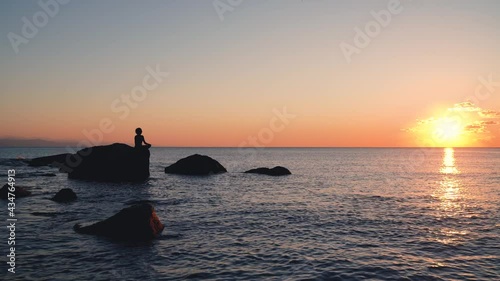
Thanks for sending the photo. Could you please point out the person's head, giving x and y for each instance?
(138, 131)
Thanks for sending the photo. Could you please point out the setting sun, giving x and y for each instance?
(463, 124)
(448, 130)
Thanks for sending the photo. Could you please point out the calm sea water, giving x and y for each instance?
(344, 214)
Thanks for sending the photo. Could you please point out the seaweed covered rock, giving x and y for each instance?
(196, 165)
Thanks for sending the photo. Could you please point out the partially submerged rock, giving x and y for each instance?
(135, 223)
(196, 165)
(115, 163)
(276, 171)
(65, 195)
(19, 192)
(53, 160)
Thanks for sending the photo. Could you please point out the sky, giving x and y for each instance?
(307, 73)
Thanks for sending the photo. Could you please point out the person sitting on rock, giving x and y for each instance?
(139, 139)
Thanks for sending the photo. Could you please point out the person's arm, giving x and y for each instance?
(144, 140)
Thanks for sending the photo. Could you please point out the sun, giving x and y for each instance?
(463, 125)
(448, 131)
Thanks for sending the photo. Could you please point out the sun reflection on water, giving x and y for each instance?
(451, 196)
(449, 162)
(449, 191)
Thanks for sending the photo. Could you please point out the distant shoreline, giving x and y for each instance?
(282, 147)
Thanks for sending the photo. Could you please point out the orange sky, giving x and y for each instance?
(227, 79)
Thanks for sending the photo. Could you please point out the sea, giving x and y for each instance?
(343, 214)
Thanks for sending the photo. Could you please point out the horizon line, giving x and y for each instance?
(320, 147)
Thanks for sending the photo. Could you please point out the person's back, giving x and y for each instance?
(138, 140)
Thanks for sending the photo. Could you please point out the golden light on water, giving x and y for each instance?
(450, 196)
(448, 166)
(449, 185)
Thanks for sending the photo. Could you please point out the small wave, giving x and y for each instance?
(44, 214)
(199, 275)
(373, 197)
(367, 246)
(35, 174)
(363, 273)
(170, 236)
(134, 202)
(11, 162)
(424, 277)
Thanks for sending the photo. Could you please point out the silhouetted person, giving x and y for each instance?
(139, 139)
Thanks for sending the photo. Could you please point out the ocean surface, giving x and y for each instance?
(344, 214)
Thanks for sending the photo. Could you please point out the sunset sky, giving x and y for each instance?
(258, 73)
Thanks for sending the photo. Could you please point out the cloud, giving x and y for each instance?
(475, 128)
(426, 121)
(479, 126)
(466, 106)
(477, 123)
(489, 114)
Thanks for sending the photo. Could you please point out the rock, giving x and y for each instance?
(54, 160)
(65, 195)
(135, 223)
(276, 171)
(113, 163)
(196, 165)
(117, 162)
(19, 192)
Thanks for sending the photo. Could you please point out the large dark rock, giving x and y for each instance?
(65, 195)
(196, 165)
(19, 192)
(276, 171)
(135, 223)
(116, 163)
(53, 160)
